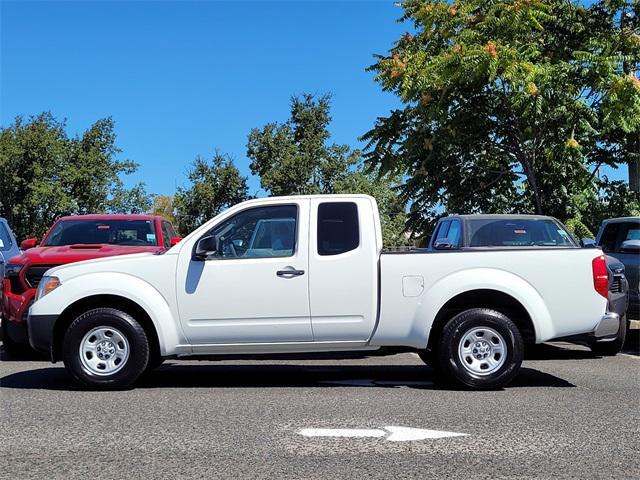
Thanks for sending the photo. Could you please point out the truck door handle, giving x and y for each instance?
(289, 273)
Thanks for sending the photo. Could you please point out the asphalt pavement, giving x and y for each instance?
(568, 415)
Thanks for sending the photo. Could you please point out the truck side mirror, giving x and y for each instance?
(205, 247)
(630, 246)
(443, 244)
(174, 241)
(588, 243)
(28, 243)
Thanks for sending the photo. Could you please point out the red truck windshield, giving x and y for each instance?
(114, 232)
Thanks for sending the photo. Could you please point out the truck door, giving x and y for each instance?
(254, 288)
(343, 266)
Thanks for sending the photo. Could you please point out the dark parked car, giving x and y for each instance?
(620, 238)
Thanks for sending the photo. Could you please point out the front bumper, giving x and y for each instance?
(41, 332)
(15, 308)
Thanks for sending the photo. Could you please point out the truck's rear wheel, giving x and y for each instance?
(105, 348)
(480, 349)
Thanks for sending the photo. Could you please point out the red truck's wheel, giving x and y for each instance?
(480, 349)
(105, 348)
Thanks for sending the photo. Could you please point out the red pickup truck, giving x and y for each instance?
(72, 239)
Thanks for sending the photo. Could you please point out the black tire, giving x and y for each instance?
(450, 363)
(124, 324)
(610, 348)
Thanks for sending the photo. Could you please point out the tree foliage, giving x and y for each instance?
(214, 186)
(295, 157)
(163, 206)
(44, 174)
(508, 105)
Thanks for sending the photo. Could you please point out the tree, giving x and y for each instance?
(163, 206)
(44, 173)
(294, 158)
(214, 186)
(509, 106)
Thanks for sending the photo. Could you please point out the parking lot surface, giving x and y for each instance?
(569, 414)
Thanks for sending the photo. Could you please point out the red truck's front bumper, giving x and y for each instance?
(15, 308)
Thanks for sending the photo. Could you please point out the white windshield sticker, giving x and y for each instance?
(1, 243)
(151, 237)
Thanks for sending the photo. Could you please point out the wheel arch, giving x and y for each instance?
(113, 290)
(484, 298)
(97, 301)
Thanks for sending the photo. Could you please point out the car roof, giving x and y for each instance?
(500, 216)
(111, 216)
(621, 219)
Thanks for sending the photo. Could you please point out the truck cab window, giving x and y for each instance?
(453, 235)
(258, 233)
(442, 231)
(338, 228)
(167, 234)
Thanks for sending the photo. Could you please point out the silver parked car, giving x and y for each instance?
(8, 246)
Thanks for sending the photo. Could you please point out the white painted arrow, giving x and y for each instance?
(391, 433)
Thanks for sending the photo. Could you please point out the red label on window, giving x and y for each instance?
(520, 231)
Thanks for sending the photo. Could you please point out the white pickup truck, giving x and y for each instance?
(307, 274)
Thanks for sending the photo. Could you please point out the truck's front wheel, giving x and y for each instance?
(480, 349)
(105, 348)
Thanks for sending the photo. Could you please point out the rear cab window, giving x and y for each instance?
(338, 228)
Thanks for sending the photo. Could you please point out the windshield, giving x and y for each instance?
(615, 233)
(532, 232)
(114, 232)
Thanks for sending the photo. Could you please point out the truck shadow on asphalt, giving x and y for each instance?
(270, 375)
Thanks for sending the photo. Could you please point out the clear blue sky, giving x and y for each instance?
(184, 78)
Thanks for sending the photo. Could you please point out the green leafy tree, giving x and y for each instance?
(295, 157)
(616, 200)
(44, 174)
(509, 106)
(214, 186)
(163, 206)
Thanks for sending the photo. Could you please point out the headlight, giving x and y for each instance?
(47, 285)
